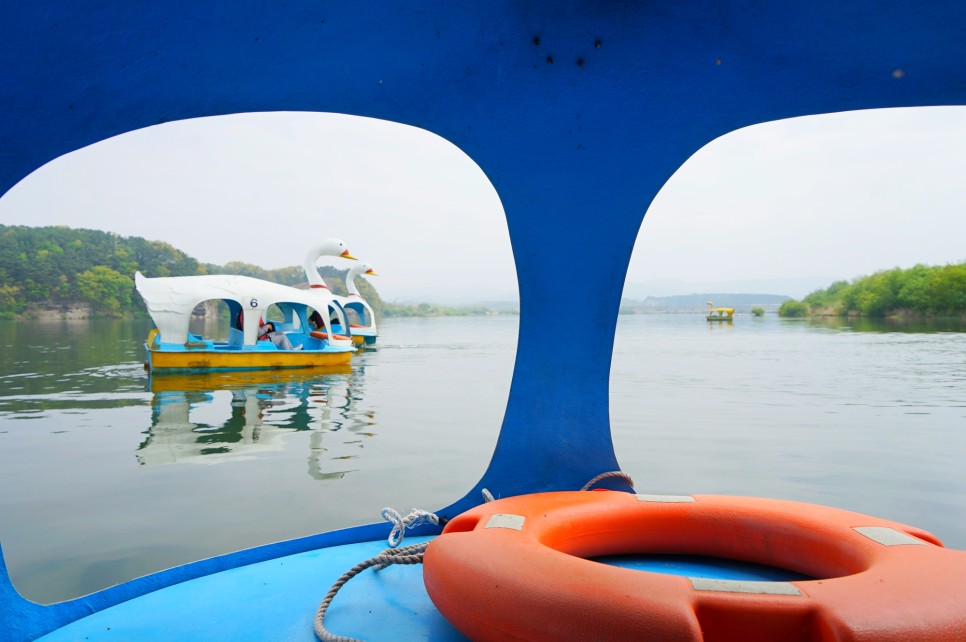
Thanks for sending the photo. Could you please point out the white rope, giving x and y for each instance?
(399, 523)
(412, 554)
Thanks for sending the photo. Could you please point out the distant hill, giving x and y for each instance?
(795, 287)
(699, 302)
(453, 296)
(61, 271)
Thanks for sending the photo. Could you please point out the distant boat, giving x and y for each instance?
(720, 314)
(172, 348)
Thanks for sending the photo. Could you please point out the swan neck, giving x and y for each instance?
(350, 284)
(311, 271)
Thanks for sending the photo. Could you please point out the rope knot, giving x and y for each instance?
(400, 524)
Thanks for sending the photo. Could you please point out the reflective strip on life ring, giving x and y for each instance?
(515, 569)
(322, 335)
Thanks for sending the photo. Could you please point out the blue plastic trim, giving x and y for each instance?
(21, 619)
(577, 112)
(277, 600)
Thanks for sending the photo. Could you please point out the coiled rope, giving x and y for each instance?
(412, 554)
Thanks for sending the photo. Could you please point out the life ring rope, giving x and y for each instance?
(412, 554)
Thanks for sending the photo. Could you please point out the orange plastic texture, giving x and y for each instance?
(322, 335)
(533, 584)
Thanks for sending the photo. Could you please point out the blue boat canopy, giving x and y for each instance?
(577, 112)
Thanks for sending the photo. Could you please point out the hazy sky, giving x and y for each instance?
(828, 196)
(835, 196)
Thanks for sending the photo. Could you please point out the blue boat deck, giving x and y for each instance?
(283, 596)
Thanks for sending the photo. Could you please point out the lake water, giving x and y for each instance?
(108, 474)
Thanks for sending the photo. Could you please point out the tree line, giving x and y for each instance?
(433, 310)
(922, 290)
(62, 265)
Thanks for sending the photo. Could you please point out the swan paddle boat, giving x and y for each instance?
(720, 314)
(363, 331)
(172, 348)
(578, 113)
(337, 322)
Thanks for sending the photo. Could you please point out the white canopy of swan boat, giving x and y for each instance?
(171, 347)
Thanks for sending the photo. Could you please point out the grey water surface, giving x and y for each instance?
(108, 474)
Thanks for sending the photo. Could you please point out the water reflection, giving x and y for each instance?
(907, 325)
(223, 417)
(721, 325)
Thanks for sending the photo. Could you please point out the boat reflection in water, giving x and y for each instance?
(233, 416)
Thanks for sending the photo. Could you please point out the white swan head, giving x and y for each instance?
(350, 278)
(361, 268)
(328, 247)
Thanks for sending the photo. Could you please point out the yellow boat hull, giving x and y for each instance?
(204, 360)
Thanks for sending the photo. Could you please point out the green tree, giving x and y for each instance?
(827, 298)
(792, 308)
(41, 264)
(293, 275)
(949, 289)
(11, 300)
(914, 292)
(239, 267)
(105, 288)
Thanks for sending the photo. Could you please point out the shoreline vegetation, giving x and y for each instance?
(58, 273)
(918, 293)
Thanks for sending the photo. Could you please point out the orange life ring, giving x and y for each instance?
(515, 569)
(322, 335)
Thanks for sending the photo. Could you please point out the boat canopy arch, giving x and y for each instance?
(171, 300)
(359, 309)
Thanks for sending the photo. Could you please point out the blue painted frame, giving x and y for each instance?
(577, 112)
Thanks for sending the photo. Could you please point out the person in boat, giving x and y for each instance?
(316, 320)
(268, 332)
